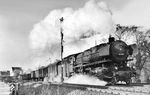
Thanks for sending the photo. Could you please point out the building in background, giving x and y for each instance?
(17, 71)
(4, 75)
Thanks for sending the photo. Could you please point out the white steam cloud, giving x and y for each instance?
(85, 79)
(82, 28)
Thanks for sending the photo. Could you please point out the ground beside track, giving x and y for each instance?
(34, 88)
(4, 88)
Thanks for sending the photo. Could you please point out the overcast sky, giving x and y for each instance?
(17, 18)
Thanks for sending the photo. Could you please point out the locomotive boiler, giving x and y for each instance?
(107, 61)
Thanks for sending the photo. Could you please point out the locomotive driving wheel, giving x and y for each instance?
(114, 79)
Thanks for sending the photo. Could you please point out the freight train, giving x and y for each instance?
(107, 61)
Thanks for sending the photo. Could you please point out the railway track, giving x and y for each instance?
(119, 89)
(85, 86)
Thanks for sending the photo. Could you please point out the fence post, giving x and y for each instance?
(58, 90)
(16, 88)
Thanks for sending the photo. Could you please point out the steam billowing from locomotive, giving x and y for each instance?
(82, 28)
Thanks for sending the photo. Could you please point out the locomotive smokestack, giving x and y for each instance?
(111, 39)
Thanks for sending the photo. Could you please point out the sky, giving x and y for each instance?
(18, 19)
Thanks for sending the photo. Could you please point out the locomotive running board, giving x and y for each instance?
(93, 63)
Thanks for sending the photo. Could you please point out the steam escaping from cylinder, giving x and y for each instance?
(82, 29)
(85, 79)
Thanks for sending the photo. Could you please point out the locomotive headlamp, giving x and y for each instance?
(116, 68)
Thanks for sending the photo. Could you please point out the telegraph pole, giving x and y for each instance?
(61, 34)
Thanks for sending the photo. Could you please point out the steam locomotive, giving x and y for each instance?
(107, 61)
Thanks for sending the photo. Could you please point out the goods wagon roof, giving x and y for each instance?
(55, 63)
(41, 67)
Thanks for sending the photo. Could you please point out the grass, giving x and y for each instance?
(51, 89)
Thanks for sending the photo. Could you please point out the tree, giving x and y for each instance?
(141, 41)
(124, 32)
(143, 50)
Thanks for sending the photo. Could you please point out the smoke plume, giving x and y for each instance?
(82, 29)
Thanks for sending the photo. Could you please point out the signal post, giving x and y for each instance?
(61, 33)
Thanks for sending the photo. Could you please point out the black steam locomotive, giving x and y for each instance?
(107, 61)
